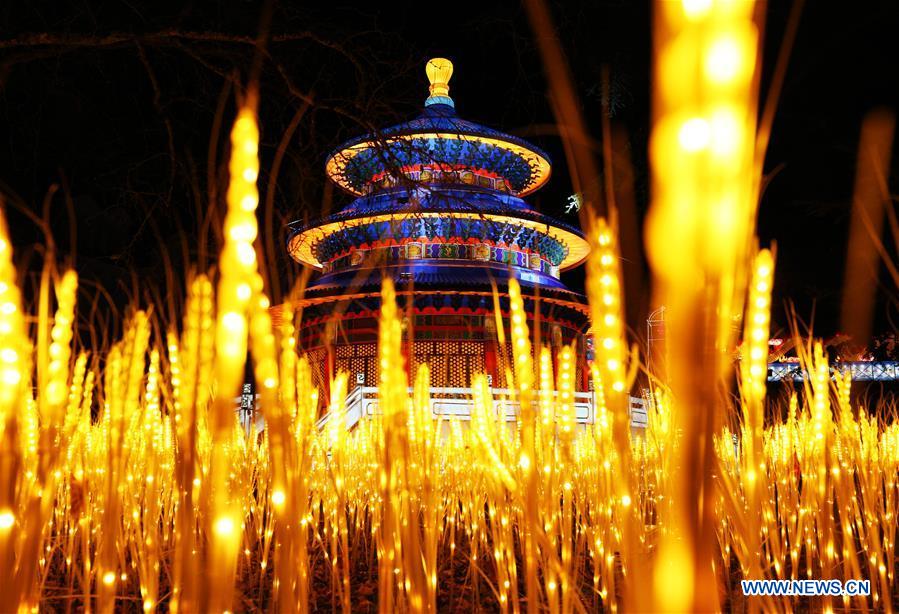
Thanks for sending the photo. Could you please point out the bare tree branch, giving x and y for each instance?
(157, 97)
(48, 39)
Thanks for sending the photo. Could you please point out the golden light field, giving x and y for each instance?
(126, 481)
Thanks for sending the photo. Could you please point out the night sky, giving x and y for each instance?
(116, 103)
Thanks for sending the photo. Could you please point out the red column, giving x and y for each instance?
(490, 360)
(327, 375)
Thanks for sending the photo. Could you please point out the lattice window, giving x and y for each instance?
(439, 375)
(457, 371)
(476, 364)
(341, 364)
(503, 360)
(372, 371)
(446, 348)
(366, 349)
(317, 365)
(357, 365)
(415, 363)
(451, 363)
(422, 352)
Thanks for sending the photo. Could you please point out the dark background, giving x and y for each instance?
(116, 104)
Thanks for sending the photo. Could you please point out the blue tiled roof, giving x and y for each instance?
(570, 315)
(462, 145)
(440, 118)
(443, 200)
(445, 276)
(439, 181)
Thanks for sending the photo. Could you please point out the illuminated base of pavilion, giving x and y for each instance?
(455, 403)
(448, 405)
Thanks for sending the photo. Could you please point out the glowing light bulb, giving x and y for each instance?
(233, 321)
(694, 9)
(725, 133)
(249, 202)
(6, 519)
(11, 377)
(224, 526)
(524, 462)
(246, 254)
(723, 60)
(694, 135)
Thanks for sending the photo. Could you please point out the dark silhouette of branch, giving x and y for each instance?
(157, 96)
(113, 39)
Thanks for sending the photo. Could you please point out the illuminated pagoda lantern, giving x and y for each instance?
(438, 208)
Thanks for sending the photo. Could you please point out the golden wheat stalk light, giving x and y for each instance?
(15, 360)
(237, 278)
(119, 532)
(698, 234)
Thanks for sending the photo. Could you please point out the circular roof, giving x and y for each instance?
(464, 277)
(302, 240)
(372, 168)
(439, 138)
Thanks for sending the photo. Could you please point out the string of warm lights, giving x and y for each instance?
(699, 233)
(455, 491)
(235, 297)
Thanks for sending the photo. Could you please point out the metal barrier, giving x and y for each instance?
(449, 403)
(863, 371)
(457, 403)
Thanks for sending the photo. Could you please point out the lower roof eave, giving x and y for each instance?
(575, 303)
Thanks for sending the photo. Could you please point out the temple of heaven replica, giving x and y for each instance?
(438, 207)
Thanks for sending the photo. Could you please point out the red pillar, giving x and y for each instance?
(490, 360)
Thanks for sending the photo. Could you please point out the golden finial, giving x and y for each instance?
(439, 71)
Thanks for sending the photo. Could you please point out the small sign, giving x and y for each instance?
(490, 380)
(247, 398)
(360, 378)
(639, 417)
